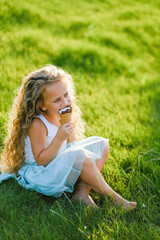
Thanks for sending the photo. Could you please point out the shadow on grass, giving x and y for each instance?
(14, 15)
(89, 61)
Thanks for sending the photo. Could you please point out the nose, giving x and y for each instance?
(66, 102)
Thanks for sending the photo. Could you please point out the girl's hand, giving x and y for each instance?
(65, 131)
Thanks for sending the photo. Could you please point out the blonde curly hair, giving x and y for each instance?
(26, 105)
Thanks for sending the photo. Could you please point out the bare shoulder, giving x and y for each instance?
(38, 136)
(37, 126)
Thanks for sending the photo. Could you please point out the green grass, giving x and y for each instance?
(112, 50)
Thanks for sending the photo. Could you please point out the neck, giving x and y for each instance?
(52, 119)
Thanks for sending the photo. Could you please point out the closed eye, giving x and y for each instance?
(66, 94)
(57, 100)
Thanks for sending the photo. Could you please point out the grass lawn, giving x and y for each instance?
(112, 51)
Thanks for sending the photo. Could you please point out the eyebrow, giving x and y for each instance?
(56, 98)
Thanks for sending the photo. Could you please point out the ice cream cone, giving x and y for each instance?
(65, 114)
(65, 117)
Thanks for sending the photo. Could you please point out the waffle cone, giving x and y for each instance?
(66, 117)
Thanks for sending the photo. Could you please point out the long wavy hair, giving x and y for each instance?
(26, 105)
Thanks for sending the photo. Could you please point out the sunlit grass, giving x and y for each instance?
(111, 48)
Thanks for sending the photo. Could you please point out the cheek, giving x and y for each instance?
(69, 99)
(55, 106)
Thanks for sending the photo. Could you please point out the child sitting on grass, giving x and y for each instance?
(48, 157)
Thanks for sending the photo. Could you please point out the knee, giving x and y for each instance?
(88, 162)
(80, 153)
(105, 145)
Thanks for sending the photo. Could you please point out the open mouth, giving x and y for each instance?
(65, 110)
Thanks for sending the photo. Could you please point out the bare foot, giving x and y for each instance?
(86, 199)
(127, 205)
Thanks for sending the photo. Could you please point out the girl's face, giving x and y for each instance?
(55, 97)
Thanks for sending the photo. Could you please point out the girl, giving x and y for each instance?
(47, 157)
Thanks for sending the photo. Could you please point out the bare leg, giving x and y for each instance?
(90, 175)
(82, 190)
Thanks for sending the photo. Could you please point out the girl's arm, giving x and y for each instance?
(38, 136)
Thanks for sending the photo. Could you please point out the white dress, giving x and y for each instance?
(63, 171)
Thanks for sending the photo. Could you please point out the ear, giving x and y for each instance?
(42, 106)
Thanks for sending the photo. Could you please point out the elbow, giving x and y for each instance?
(43, 160)
(40, 161)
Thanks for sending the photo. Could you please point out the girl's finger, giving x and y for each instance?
(69, 124)
(69, 127)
